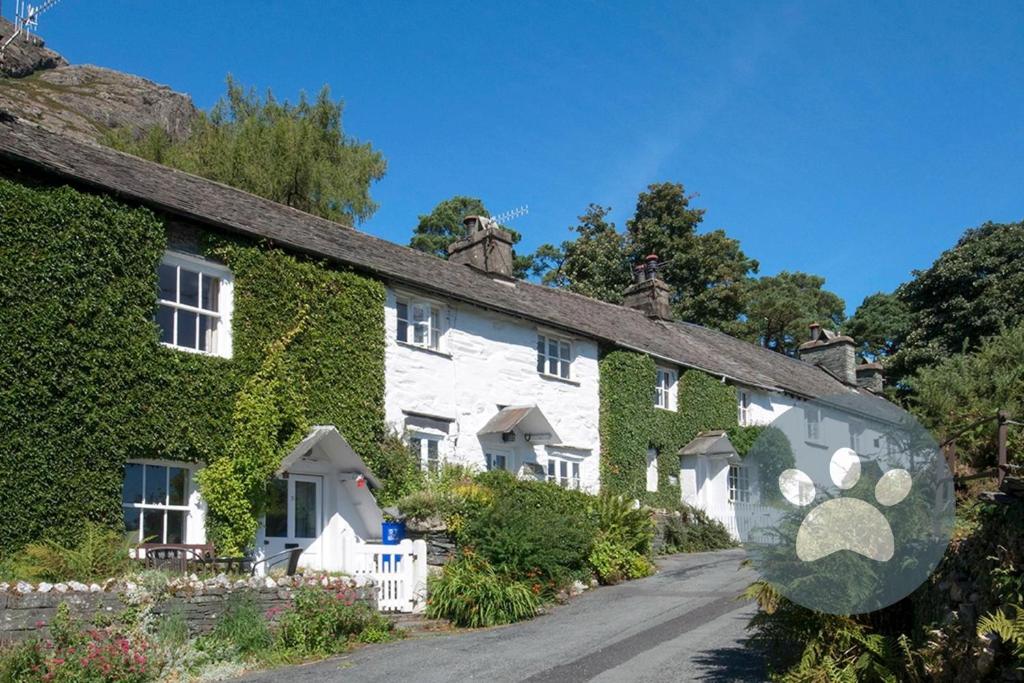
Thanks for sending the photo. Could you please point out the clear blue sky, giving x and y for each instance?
(855, 140)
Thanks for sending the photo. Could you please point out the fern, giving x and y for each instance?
(1010, 629)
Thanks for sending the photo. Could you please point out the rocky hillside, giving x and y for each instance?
(37, 84)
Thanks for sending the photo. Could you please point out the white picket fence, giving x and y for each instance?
(398, 572)
(745, 521)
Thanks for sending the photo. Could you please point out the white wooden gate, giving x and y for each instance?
(398, 572)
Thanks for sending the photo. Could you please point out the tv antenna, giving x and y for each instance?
(26, 20)
(507, 216)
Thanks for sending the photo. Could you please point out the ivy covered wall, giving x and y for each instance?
(630, 424)
(85, 385)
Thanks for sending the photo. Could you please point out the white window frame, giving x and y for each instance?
(163, 508)
(665, 381)
(498, 460)
(420, 314)
(652, 469)
(812, 416)
(739, 484)
(564, 470)
(743, 417)
(422, 449)
(222, 333)
(562, 361)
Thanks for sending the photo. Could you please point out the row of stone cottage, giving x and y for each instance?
(479, 368)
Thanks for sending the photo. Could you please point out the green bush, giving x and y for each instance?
(73, 655)
(614, 562)
(397, 469)
(469, 592)
(691, 530)
(100, 553)
(622, 522)
(324, 623)
(534, 529)
(240, 633)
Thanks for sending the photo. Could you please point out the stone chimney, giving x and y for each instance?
(486, 247)
(834, 352)
(870, 377)
(649, 293)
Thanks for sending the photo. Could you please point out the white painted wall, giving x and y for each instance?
(486, 360)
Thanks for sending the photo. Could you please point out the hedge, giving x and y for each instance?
(630, 424)
(85, 384)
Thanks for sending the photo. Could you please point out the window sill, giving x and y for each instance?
(816, 444)
(424, 349)
(556, 378)
(667, 410)
(197, 352)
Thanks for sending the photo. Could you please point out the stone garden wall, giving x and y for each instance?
(26, 610)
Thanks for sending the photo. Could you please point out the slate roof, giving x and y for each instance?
(24, 145)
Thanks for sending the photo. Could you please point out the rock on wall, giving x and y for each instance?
(27, 611)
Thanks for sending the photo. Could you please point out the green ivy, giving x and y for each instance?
(630, 424)
(85, 384)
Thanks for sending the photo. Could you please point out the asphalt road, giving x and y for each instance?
(682, 624)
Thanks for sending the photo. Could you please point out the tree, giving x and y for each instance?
(966, 295)
(879, 326)
(441, 227)
(780, 308)
(594, 264)
(293, 154)
(967, 387)
(708, 272)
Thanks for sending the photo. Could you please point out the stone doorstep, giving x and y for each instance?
(418, 625)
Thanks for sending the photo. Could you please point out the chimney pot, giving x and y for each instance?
(649, 293)
(815, 331)
(485, 247)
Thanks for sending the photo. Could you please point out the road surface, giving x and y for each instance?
(682, 624)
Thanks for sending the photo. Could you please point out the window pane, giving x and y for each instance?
(186, 329)
(277, 509)
(565, 369)
(156, 484)
(414, 448)
(403, 310)
(540, 345)
(552, 348)
(175, 526)
(167, 278)
(420, 313)
(552, 366)
(551, 468)
(565, 351)
(403, 331)
(131, 524)
(165, 321)
(419, 333)
(211, 293)
(540, 357)
(207, 333)
(152, 526)
(432, 451)
(178, 494)
(132, 491)
(305, 509)
(189, 291)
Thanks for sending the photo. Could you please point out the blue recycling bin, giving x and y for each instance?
(392, 533)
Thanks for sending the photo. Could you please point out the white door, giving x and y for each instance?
(294, 517)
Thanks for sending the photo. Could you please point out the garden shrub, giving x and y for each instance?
(623, 523)
(240, 632)
(396, 467)
(534, 528)
(469, 592)
(73, 655)
(691, 530)
(322, 622)
(100, 553)
(614, 562)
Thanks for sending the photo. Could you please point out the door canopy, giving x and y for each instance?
(526, 419)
